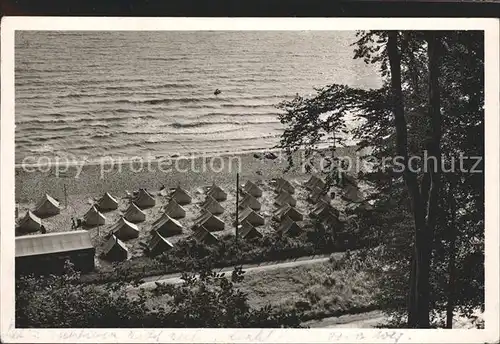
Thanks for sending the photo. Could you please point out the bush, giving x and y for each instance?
(209, 300)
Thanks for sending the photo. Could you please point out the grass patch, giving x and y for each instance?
(319, 290)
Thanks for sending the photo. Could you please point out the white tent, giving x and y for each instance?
(115, 250)
(285, 198)
(47, 206)
(213, 206)
(158, 244)
(250, 202)
(283, 184)
(318, 194)
(181, 196)
(248, 231)
(217, 193)
(144, 199)
(323, 210)
(252, 189)
(314, 182)
(167, 226)
(211, 222)
(174, 210)
(134, 214)
(289, 227)
(125, 230)
(251, 217)
(288, 211)
(203, 236)
(93, 217)
(352, 193)
(30, 223)
(107, 202)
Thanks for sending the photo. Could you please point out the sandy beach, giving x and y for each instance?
(86, 183)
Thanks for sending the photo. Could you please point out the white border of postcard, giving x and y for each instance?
(10, 334)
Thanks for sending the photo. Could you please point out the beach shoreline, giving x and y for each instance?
(95, 178)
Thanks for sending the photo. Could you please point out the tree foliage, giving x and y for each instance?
(457, 238)
(207, 299)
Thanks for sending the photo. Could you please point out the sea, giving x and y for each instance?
(87, 95)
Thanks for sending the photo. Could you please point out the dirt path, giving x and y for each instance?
(150, 282)
(361, 320)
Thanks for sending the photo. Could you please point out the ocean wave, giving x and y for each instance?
(218, 99)
(134, 145)
(178, 125)
(83, 120)
(152, 58)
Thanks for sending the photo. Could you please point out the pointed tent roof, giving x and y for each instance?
(213, 206)
(167, 226)
(349, 179)
(30, 223)
(158, 244)
(288, 211)
(181, 196)
(283, 184)
(174, 210)
(247, 231)
(285, 198)
(204, 236)
(47, 206)
(209, 221)
(217, 193)
(125, 230)
(314, 182)
(323, 210)
(93, 217)
(107, 202)
(352, 193)
(250, 202)
(252, 189)
(290, 227)
(134, 214)
(318, 194)
(252, 217)
(144, 199)
(115, 250)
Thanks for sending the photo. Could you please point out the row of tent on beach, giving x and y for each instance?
(168, 225)
(209, 222)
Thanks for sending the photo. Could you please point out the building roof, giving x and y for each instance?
(39, 244)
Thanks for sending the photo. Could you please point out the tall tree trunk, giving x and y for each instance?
(415, 299)
(450, 307)
(434, 171)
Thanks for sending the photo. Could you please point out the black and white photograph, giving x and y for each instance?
(325, 178)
